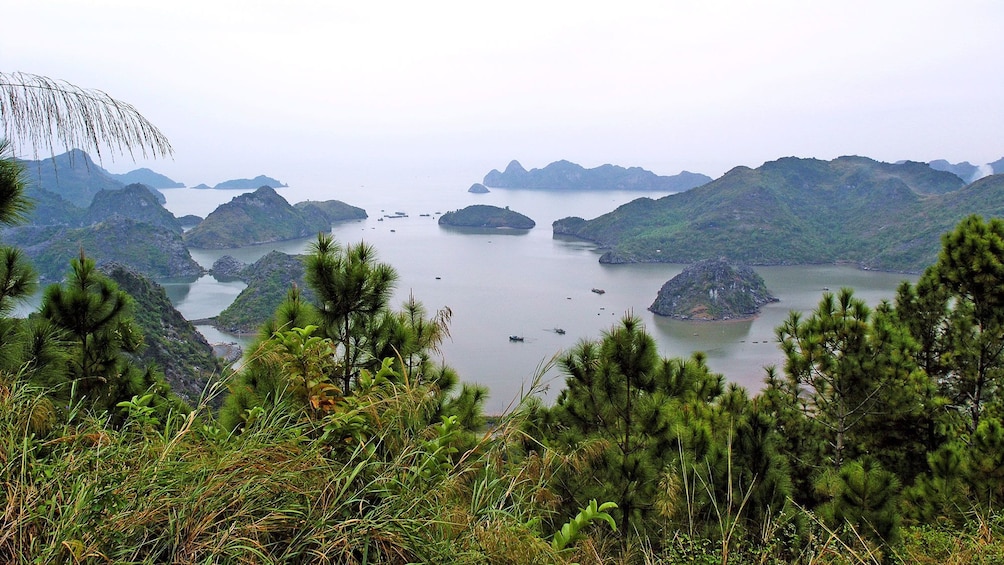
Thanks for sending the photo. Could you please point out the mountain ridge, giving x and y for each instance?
(793, 211)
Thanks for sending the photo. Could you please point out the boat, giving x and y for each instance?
(598, 290)
(515, 338)
(559, 331)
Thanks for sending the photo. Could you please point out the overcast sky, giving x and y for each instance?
(395, 93)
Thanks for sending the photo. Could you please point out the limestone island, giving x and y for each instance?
(485, 216)
(256, 217)
(478, 188)
(713, 290)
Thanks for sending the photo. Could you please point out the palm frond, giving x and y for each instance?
(38, 112)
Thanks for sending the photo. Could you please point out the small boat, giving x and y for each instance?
(598, 290)
(559, 331)
(515, 338)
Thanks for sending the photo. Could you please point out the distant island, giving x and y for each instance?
(149, 178)
(485, 216)
(478, 188)
(713, 289)
(795, 211)
(564, 175)
(246, 184)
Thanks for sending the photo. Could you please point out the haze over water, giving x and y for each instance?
(526, 283)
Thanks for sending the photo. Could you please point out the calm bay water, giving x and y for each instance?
(526, 283)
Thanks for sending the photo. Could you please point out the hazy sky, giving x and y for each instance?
(438, 93)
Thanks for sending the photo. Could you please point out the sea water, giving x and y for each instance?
(526, 283)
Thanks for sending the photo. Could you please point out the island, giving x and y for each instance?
(713, 289)
(565, 175)
(485, 216)
(148, 177)
(247, 184)
(478, 188)
(256, 217)
(794, 211)
(333, 210)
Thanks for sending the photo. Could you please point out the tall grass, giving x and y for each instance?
(82, 491)
(85, 492)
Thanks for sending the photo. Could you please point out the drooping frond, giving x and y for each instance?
(38, 111)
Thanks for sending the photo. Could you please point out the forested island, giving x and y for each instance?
(486, 216)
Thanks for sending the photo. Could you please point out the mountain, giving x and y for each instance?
(154, 251)
(713, 289)
(797, 211)
(136, 202)
(485, 216)
(964, 170)
(49, 208)
(169, 340)
(564, 175)
(333, 210)
(72, 176)
(246, 184)
(256, 217)
(147, 177)
(269, 280)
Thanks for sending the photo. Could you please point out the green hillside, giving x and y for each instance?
(261, 216)
(795, 211)
(154, 251)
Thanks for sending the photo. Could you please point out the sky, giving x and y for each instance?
(433, 93)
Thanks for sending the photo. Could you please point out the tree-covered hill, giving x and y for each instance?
(149, 178)
(269, 279)
(170, 341)
(135, 202)
(334, 210)
(261, 216)
(154, 251)
(794, 211)
(485, 216)
(72, 175)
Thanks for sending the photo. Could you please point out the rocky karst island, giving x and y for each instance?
(713, 289)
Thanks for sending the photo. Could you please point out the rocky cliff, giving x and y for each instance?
(170, 341)
(713, 290)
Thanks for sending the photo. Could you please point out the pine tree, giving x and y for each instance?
(93, 314)
(971, 268)
(625, 402)
(352, 289)
(852, 372)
